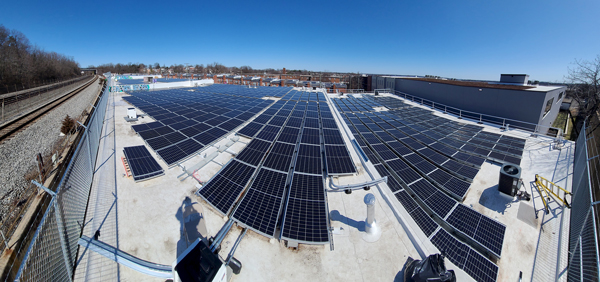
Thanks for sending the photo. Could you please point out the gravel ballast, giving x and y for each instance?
(17, 155)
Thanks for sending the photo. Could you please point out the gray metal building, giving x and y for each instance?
(510, 98)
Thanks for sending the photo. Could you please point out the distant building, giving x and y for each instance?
(509, 98)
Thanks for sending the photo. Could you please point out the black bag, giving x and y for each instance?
(430, 269)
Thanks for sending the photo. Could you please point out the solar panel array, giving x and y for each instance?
(293, 148)
(143, 166)
(187, 121)
(464, 137)
(430, 175)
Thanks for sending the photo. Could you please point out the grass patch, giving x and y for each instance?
(561, 120)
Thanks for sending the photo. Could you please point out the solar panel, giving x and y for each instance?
(280, 162)
(333, 137)
(277, 121)
(307, 187)
(370, 155)
(397, 165)
(338, 160)
(260, 207)
(385, 136)
(309, 150)
(424, 166)
(408, 175)
(178, 126)
(305, 221)
(250, 129)
(328, 123)
(308, 165)
(440, 203)
(259, 211)
(461, 255)
(220, 193)
(259, 145)
(238, 172)
(310, 136)
(231, 124)
(171, 154)
(189, 146)
(370, 138)
(482, 229)
(143, 165)
(175, 137)
(289, 135)
(202, 127)
(205, 138)
(311, 123)
(163, 130)
(457, 186)
(190, 131)
(424, 221)
(294, 122)
(384, 152)
(268, 133)
(423, 189)
(391, 181)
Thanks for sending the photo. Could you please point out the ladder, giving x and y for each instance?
(126, 166)
(551, 190)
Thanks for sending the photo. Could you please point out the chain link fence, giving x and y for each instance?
(583, 235)
(52, 252)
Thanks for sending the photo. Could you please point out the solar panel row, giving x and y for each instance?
(188, 121)
(481, 140)
(406, 151)
(463, 138)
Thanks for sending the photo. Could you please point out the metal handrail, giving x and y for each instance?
(469, 114)
(355, 186)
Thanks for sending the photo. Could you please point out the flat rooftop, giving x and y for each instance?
(481, 84)
(156, 219)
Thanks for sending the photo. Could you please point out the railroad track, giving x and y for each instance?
(11, 128)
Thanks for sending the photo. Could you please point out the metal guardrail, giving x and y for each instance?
(478, 117)
(118, 256)
(584, 260)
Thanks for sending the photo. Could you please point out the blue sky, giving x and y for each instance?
(461, 39)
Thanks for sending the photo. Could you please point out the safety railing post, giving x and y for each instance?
(460, 114)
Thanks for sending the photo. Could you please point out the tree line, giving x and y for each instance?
(23, 65)
(156, 68)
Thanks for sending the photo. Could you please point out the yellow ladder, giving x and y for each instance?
(551, 190)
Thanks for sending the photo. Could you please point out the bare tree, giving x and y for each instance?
(246, 69)
(199, 68)
(23, 65)
(178, 68)
(584, 79)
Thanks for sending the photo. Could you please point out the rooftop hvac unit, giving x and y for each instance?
(131, 113)
(510, 175)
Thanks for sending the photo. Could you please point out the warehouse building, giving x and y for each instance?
(511, 97)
